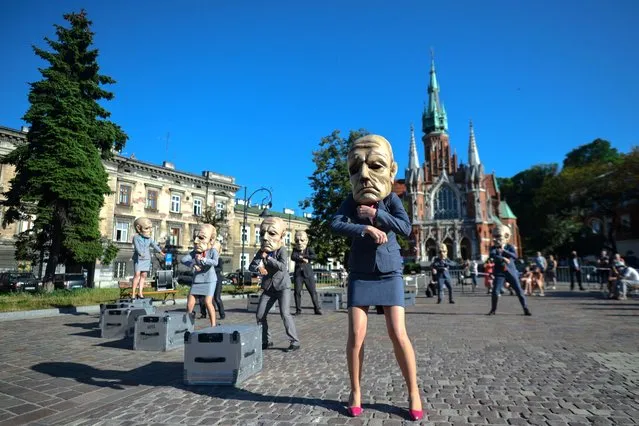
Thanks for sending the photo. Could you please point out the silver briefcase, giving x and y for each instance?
(162, 332)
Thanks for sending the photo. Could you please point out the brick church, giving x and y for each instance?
(450, 203)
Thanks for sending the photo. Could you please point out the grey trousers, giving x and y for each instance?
(266, 302)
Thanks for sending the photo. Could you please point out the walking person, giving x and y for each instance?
(474, 273)
(440, 271)
(271, 262)
(603, 267)
(142, 243)
(505, 270)
(202, 260)
(302, 255)
(372, 216)
(217, 296)
(551, 272)
(575, 271)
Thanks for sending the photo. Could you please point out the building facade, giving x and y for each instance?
(450, 203)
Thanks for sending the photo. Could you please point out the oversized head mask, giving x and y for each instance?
(204, 237)
(443, 251)
(501, 235)
(371, 168)
(272, 234)
(301, 240)
(143, 226)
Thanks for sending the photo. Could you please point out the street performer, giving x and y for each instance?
(302, 255)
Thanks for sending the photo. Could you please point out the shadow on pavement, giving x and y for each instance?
(171, 374)
(85, 325)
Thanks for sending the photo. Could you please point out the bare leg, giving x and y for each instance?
(190, 304)
(136, 280)
(142, 279)
(396, 326)
(208, 301)
(357, 323)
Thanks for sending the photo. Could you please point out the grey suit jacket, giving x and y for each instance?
(367, 256)
(303, 269)
(276, 265)
(206, 274)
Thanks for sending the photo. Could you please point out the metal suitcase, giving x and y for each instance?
(329, 301)
(162, 332)
(105, 306)
(138, 303)
(252, 302)
(410, 297)
(120, 323)
(223, 355)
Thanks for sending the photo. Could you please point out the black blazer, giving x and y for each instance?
(276, 267)
(367, 256)
(303, 269)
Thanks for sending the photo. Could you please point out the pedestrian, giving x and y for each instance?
(440, 267)
(575, 271)
(372, 216)
(302, 255)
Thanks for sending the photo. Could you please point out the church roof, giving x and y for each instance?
(505, 212)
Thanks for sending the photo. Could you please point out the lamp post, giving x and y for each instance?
(264, 213)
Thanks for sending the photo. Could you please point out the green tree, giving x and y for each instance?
(59, 177)
(521, 192)
(331, 185)
(597, 151)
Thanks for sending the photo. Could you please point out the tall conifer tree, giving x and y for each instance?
(59, 173)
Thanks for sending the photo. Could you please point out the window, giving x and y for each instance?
(175, 203)
(257, 234)
(125, 195)
(220, 207)
(174, 235)
(287, 239)
(446, 204)
(197, 207)
(152, 199)
(244, 234)
(120, 270)
(121, 233)
(244, 259)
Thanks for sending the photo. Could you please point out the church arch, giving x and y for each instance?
(431, 249)
(466, 249)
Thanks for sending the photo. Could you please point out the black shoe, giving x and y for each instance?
(222, 317)
(582, 289)
(527, 312)
(491, 313)
(202, 316)
(267, 345)
(298, 313)
(452, 301)
(292, 347)
(318, 312)
(439, 301)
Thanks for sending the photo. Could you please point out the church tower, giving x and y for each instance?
(414, 179)
(435, 128)
(474, 180)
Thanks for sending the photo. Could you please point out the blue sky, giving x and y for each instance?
(248, 88)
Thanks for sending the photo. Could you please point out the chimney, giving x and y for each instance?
(168, 165)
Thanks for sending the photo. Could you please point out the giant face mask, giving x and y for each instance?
(143, 226)
(301, 240)
(443, 251)
(204, 237)
(371, 168)
(271, 234)
(501, 235)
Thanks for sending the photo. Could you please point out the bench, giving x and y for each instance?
(126, 288)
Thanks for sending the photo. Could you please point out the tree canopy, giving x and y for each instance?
(331, 185)
(59, 177)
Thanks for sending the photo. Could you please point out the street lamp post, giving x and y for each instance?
(268, 204)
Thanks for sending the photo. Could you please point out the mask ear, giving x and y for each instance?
(393, 170)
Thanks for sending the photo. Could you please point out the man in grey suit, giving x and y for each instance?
(271, 262)
(302, 256)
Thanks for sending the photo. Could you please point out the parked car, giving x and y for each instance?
(69, 281)
(19, 281)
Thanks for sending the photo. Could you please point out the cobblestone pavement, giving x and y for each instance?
(575, 361)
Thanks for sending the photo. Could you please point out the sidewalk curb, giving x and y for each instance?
(86, 310)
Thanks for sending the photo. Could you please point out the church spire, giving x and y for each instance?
(434, 118)
(413, 159)
(473, 153)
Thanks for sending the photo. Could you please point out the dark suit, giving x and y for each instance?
(366, 255)
(304, 275)
(442, 277)
(505, 272)
(276, 286)
(575, 271)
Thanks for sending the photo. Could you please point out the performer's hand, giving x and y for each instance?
(264, 255)
(197, 268)
(506, 260)
(304, 260)
(379, 237)
(364, 212)
(262, 270)
(434, 271)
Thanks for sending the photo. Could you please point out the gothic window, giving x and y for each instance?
(446, 204)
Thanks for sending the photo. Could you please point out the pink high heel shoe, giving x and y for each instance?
(355, 411)
(415, 414)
